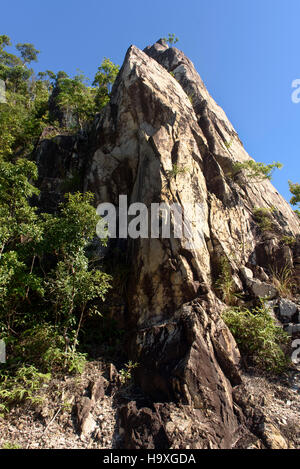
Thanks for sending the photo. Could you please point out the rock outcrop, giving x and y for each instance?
(163, 139)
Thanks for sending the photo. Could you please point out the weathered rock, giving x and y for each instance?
(168, 426)
(60, 169)
(188, 360)
(86, 422)
(247, 274)
(271, 436)
(271, 307)
(258, 289)
(288, 310)
(262, 289)
(98, 389)
(293, 329)
(85, 406)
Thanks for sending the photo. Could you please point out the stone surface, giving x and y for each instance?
(271, 436)
(293, 329)
(262, 289)
(287, 309)
(189, 365)
(86, 422)
(167, 426)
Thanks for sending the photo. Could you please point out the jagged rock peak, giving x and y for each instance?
(189, 364)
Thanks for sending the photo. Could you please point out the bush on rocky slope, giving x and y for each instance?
(261, 341)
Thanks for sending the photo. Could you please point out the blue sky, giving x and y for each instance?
(246, 51)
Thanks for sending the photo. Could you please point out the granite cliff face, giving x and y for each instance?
(161, 116)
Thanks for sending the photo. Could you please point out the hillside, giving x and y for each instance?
(191, 349)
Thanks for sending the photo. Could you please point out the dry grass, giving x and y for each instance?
(283, 280)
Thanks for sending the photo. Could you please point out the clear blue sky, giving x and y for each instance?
(246, 51)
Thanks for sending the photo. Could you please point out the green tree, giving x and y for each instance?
(261, 341)
(24, 114)
(12, 69)
(43, 260)
(253, 171)
(22, 121)
(76, 98)
(18, 228)
(171, 39)
(295, 200)
(28, 52)
(104, 79)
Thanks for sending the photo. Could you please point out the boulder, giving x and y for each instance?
(293, 329)
(288, 310)
(272, 436)
(262, 289)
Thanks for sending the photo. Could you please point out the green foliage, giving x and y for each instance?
(104, 79)
(228, 144)
(175, 171)
(225, 284)
(23, 386)
(45, 348)
(26, 242)
(10, 445)
(295, 200)
(76, 98)
(126, 373)
(21, 123)
(72, 286)
(260, 340)
(26, 112)
(171, 39)
(28, 52)
(253, 171)
(288, 240)
(48, 286)
(264, 218)
(19, 228)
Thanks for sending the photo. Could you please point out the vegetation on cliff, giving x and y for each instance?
(295, 200)
(48, 283)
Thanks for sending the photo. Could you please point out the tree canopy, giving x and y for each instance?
(295, 200)
(49, 285)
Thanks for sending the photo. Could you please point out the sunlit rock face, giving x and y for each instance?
(161, 118)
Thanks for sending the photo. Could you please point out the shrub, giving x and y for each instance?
(225, 284)
(45, 348)
(264, 219)
(228, 143)
(295, 200)
(126, 373)
(252, 171)
(175, 171)
(21, 386)
(261, 342)
(10, 445)
(171, 39)
(288, 240)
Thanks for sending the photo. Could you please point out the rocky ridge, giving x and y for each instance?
(160, 116)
